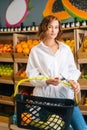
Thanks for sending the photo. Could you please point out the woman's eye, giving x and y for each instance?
(49, 27)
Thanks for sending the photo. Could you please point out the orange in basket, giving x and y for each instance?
(26, 118)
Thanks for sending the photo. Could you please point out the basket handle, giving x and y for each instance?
(41, 78)
(29, 79)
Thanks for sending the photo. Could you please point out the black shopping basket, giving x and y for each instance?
(43, 113)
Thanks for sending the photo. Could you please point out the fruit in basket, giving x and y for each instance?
(56, 122)
(26, 118)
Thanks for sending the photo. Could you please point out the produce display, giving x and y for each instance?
(6, 46)
(21, 73)
(85, 103)
(6, 69)
(70, 43)
(85, 45)
(25, 46)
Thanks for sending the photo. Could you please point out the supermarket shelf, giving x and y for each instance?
(20, 58)
(83, 84)
(84, 112)
(6, 100)
(6, 80)
(4, 57)
(3, 124)
(83, 87)
(80, 61)
(4, 119)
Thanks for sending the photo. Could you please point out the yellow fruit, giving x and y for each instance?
(26, 50)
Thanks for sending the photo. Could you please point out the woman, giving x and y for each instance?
(54, 60)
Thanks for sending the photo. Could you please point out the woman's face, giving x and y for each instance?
(53, 29)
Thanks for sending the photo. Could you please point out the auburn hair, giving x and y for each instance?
(43, 27)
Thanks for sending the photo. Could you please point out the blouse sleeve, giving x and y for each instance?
(32, 71)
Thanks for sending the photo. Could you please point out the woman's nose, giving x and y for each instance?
(52, 29)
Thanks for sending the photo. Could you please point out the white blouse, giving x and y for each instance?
(42, 61)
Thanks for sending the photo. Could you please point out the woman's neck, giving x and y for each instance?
(52, 44)
(49, 42)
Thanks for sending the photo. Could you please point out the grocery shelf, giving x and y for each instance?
(20, 58)
(84, 112)
(83, 84)
(81, 61)
(6, 100)
(4, 119)
(14, 127)
(6, 57)
(6, 79)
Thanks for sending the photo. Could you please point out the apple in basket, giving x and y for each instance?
(16, 13)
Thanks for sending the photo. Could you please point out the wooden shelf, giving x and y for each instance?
(83, 84)
(7, 100)
(4, 119)
(14, 127)
(6, 79)
(6, 57)
(3, 125)
(20, 58)
(84, 112)
(81, 61)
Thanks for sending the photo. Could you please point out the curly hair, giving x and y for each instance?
(43, 27)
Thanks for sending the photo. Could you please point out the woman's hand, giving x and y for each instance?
(75, 85)
(53, 81)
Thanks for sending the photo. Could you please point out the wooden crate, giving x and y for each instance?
(17, 76)
(81, 103)
(83, 80)
(81, 54)
(20, 58)
(16, 39)
(6, 57)
(81, 38)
